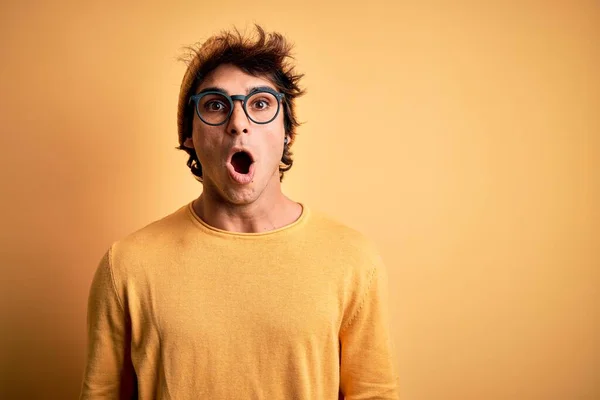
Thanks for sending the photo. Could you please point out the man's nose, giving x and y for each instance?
(238, 121)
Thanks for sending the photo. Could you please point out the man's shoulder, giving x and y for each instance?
(155, 238)
(339, 236)
(165, 227)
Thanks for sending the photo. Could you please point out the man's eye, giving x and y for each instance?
(260, 104)
(215, 106)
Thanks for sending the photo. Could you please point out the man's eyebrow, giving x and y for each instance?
(258, 88)
(213, 89)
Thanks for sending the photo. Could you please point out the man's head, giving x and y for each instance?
(214, 122)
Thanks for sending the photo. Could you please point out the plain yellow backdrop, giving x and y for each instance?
(462, 137)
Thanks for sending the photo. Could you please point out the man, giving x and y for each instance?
(243, 293)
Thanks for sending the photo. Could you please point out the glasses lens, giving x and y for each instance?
(214, 108)
(262, 107)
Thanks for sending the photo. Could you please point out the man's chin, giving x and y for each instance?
(228, 191)
(240, 195)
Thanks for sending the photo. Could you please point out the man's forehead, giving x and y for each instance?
(232, 80)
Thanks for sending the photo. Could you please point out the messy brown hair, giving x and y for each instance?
(265, 54)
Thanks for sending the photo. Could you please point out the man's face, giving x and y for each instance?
(237, 178)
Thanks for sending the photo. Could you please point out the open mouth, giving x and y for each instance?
(241, 162)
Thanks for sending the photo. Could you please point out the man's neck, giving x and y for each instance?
(260, 216)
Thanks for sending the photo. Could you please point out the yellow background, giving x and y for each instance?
(462, 137)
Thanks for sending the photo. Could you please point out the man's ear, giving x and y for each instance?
(189, 143)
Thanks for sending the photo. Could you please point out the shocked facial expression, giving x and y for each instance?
(240, 157)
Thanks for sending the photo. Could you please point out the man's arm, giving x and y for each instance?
(367, 364)
(109, 373)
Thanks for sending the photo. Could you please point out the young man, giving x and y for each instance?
(242, 293)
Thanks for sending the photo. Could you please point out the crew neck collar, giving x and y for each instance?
(199, 222)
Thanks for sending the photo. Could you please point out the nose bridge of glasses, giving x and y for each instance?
(242, 100)
(239, 97)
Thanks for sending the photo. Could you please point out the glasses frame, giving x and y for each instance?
(197, 97)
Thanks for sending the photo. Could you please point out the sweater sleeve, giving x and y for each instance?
(367, 368)
(109, 373)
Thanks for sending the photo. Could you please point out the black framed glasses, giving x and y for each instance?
(215, 107)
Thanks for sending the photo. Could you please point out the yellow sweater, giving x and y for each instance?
(181, 310)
